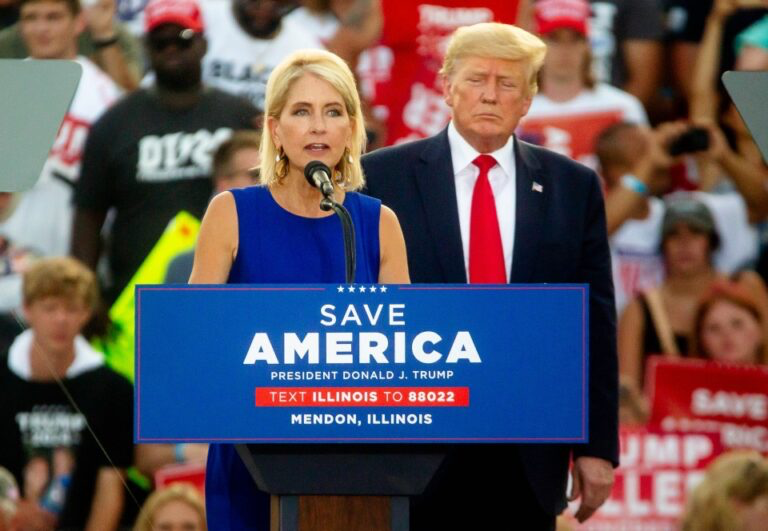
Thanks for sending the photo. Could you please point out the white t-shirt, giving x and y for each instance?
(239, 63)
(86, 358)
(322, 25)
(572, 127)
(130, 13)
(635, 257)
(42, 220)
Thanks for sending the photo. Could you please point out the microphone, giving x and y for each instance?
(319, 176)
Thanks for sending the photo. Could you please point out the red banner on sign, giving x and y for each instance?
(193, 473)
(698, 395)
(657, 472)
(362, 396)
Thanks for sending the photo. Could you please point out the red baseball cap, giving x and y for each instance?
(185, 13)
(552, 15)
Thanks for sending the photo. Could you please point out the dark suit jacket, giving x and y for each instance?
(560, 236)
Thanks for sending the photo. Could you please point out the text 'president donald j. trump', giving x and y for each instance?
(478, 205)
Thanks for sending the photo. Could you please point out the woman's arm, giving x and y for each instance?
(750, 179)
(393, 268)
(752, 58)
(152, 457)
(217, 242)
(620, 202)
(630, 343)
(524, 17)
(703, 101)
(114, 58)
(360, 23)
(644, 59)
(108, 500)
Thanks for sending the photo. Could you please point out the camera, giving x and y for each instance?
(693, 140)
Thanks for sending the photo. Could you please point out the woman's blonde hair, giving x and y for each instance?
(496, 41)
(329, 68)
(182, 492)
(734, 477)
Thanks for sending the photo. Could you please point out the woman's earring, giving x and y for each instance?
(281, 164)
(349, 156)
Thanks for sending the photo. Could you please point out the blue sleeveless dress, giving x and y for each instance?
(276, 247)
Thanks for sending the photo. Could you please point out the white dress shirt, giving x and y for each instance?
(502, 180)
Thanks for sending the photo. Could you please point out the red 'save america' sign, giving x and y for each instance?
(698, 395)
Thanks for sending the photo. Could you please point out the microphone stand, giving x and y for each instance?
(327, 204)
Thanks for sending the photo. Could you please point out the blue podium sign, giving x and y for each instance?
(362, 363)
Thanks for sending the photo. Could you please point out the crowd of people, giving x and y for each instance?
(177, 104)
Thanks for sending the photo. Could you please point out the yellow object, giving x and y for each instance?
(119, 344)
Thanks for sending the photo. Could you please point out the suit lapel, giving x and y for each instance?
(435, 181)
(532, 188)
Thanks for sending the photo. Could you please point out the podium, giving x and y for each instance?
(309, 493)
(342, 400)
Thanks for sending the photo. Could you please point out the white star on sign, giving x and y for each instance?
(362, 289)
(351, 289)
(383, 289)
(341, 289)
(372, 289)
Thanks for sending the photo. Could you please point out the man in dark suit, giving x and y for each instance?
(478, 205)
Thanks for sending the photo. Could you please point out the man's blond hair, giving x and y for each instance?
(496, 41)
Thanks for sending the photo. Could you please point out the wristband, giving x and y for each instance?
(178, 452)
(105, 43)
(630, 182)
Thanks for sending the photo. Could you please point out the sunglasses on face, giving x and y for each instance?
(182, 40)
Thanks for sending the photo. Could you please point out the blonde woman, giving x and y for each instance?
(179, 506)
(277, 232)
(312, 113)
(732, 497)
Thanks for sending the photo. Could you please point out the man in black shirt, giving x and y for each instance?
(149, 157)
(67, 452)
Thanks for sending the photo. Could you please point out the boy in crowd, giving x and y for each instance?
(65, 418)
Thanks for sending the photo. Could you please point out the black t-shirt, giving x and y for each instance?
(44, 440)
(686, 19)
(149, 162)
(613, 22)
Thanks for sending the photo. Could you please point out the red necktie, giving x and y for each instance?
(486, 255)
